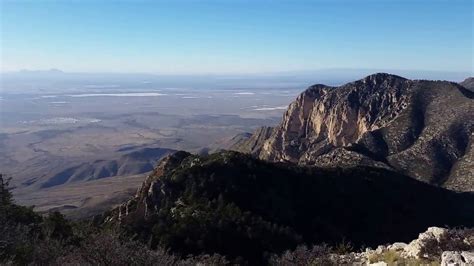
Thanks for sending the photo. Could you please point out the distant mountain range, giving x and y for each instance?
(420, 128)
(20, 81)
(137, 162)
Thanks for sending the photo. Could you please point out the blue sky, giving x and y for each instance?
(230, 36)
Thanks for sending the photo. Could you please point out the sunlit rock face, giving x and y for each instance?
(418, 127)
(323, 117)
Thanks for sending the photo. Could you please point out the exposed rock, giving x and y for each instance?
(343, 157)
(392, 254)
(457, 258)
(379, 263)
(380, 249)
(147, 198)
(352, 258)
(253, 143)
(435, 245)
(323, 117)
(461, 177)
(468, 83)
(414, 248)
(397, 246)
(417, 127)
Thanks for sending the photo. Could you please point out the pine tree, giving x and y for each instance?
(5, 196)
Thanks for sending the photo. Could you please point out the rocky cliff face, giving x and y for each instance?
(253, 143)
(148, 197)
(420, 128)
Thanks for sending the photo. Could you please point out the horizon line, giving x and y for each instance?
(280, 72)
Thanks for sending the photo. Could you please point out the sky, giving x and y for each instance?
(236, 36)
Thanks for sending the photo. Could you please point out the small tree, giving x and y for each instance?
(5, 195)
(56, 226)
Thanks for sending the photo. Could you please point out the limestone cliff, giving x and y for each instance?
(253, 143)
(420, 128)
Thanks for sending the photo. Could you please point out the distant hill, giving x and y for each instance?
(136, 162)
(420, 128)
(232, 204)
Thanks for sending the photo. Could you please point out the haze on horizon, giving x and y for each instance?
(236, 37)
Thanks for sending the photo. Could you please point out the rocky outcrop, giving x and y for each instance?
(344, 157)
(254, 142)
(147, 199)
(468, 83)
(416, 248)
(323, 117)
(433, 247)
(457, 258)
(436, 244)
(420, 128)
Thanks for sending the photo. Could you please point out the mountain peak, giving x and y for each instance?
(378, 78)
(409, 125)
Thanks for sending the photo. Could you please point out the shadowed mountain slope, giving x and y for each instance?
(136, 162)
(235, 205)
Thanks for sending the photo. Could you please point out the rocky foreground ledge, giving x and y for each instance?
(435, 246)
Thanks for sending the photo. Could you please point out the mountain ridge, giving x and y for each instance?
(193, 204)
(417, 127)
(133, 162)
(468, 83)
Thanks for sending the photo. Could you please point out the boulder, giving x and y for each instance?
(397, 246)
(379, 263)
(457, 258)
(413, 249)
(380, 249)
